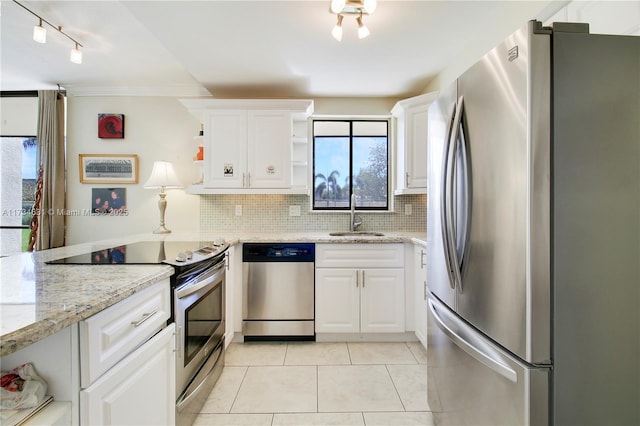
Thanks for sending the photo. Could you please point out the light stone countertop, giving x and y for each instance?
(38, 299)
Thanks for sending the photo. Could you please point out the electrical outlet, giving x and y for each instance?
(408, 209)
(294, 210)
(238, 210)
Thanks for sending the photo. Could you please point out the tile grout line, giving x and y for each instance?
(395, 387)
(317, 388)
(235, 398)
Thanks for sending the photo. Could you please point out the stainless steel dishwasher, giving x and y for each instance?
(278, 288)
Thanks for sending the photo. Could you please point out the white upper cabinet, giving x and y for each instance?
(410, 119)
(269, 149)
(251, 146)
(247, 149)
(225, 149)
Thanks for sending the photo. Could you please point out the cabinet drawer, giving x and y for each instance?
(110, 335)
(359, 256)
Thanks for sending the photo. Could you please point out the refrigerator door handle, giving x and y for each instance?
(451, 196)
(465, 338)
(466, 188)
(444, 210)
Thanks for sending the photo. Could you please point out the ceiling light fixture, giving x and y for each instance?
(363, 31)
(336, 32)
(40, 34)
(351, 7)
(76, 55)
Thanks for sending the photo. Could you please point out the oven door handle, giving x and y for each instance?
(200, 379)
(201, 281)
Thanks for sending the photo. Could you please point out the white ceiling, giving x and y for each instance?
(247, 48)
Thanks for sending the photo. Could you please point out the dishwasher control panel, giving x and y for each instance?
(278, 252)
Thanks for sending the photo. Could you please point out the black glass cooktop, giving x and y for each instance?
(148, 252)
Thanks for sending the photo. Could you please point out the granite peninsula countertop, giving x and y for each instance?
(38, 299)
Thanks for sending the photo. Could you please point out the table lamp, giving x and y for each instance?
(164, 177)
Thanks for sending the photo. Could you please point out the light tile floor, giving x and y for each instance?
(309, 383)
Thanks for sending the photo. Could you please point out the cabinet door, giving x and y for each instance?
(382, 300)
(337, 301)
(416, 150)
(269, 149)
(420, 287)
(225, 150)
(139, 390)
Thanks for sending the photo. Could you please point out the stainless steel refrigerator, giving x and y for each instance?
(533, 233)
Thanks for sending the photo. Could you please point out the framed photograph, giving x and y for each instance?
(109, 201)
(111, 126)
(108, 168)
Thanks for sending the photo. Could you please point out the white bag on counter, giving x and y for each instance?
(21, 388)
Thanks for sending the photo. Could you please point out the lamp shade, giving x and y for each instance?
(163, 176)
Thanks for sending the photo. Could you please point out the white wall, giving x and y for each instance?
(603, 16)
(19, 116)
(156, 128)
(353, 106)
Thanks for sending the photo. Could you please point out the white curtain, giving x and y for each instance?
(51, 156)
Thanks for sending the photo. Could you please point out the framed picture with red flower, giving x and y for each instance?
(111, 126)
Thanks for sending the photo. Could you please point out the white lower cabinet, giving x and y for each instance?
(128, 362)
(360, 298)
(139, 390)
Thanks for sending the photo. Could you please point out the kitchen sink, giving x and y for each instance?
(356, 234)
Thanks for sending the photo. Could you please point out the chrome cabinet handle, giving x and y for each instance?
(248, 180)
(357, 278)
(422, 256)
(145, 316)
(425, 290)
(363, 278)
(406, 179)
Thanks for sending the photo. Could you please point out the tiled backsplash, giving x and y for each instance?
(267, 213)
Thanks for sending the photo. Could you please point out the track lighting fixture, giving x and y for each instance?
(40, 34)
(351, 7)
(76, 55)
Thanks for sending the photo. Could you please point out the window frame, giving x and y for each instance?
(389, 171)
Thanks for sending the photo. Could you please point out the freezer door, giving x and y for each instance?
(440, 116)
(495, 290)
(473, 382)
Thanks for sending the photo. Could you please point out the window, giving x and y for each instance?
(19, 175)
(350, 157)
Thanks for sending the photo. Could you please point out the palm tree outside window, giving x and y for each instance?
(350, 157)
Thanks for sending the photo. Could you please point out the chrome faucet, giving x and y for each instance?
(354, 224)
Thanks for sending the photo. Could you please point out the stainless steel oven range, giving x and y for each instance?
(198, 306)
(199, 311)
